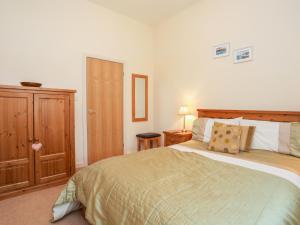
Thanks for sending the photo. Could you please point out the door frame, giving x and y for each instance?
(84, 104)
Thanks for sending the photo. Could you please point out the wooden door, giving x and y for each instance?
(16, 131)
(52, 130)
(104, 109)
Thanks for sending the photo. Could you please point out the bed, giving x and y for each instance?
(186, 184)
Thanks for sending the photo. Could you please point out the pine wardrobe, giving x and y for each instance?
(36, 138)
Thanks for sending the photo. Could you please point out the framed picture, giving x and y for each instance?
(221, 50)
(243, 55)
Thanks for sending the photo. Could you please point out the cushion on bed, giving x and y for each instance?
(225, 138)
(247, 133)
(289, 139)
(275, 136)
(266, 135)
(295, 139)
(199, 128)
(210, 122)
(246, 138)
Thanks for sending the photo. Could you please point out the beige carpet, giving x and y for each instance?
(35, 209)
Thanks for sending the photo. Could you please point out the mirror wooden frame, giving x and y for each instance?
(134, 118)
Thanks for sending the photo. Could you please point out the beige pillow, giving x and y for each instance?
(225, 138)
(295, 139)
(246, 137)
(199, 128)
(289, 139)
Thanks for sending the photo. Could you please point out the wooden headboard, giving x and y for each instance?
(278, 116)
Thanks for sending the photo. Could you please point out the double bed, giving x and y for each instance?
(187, 184)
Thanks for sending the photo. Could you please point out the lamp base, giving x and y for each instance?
(184, 130)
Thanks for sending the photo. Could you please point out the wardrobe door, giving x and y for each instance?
(52, 131)
(16, 131)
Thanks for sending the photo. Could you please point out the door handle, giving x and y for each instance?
(91, 111)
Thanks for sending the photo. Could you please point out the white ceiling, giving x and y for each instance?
(147, 11)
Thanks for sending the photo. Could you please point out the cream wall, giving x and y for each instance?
(47, 41)
(186, 73)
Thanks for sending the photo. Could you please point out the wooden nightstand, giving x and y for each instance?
(173, 137)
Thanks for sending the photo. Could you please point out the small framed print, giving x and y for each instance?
(221, 50)
(243, 55)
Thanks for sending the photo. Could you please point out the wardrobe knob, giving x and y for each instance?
(36, 147)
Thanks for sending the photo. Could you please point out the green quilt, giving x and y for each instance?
(168, 187)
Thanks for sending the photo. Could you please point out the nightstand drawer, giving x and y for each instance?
(176, 137)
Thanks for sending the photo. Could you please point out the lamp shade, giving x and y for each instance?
(184, 110)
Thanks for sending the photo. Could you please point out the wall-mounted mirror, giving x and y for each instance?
(139, 98)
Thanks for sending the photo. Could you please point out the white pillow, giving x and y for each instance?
(266, 134)
(210, 122)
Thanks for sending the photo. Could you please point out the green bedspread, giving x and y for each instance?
(168, 187)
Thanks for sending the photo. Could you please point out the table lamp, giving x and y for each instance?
(184, 111)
